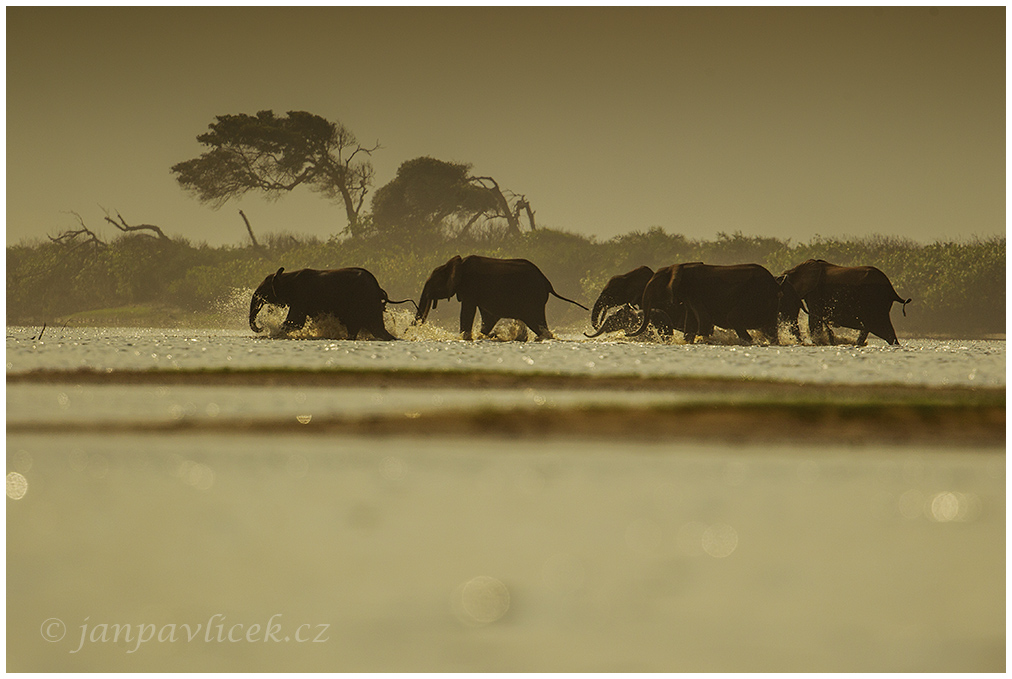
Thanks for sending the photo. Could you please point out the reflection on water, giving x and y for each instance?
(481, 555)
(930, 362)
(239, 552)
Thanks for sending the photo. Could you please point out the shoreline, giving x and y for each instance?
(966, 426)
(491, 379)
(728, 410)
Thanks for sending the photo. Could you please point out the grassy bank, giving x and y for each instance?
(958, 287)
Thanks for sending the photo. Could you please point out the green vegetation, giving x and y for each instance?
(958, 287)
(430, 212)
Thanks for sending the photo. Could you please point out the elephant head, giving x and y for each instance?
(620, 290)
(789, 302)
(267, 293)
(659, 293)
(442, 284)
(805, 277)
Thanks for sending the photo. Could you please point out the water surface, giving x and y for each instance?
(916, 362)
(498, 555)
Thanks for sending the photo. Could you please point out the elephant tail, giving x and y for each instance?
(566, 299)
(403, 301)
(904, 302)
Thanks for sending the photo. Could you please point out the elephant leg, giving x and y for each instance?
(691, 327)
(379, 331)
(295, 320)
(862, 339)
(829, 334)
(815, 326)
(488, 321)
(535, 320)
(699, 322)
(737, 322)
(665, 327)
(375, 324)
(772, 332)
(795, 330)
(467, 311)
(881, 326)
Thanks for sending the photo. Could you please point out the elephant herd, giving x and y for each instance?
(691, 297)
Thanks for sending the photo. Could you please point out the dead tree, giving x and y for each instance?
(522, 203)
(127, 228)
(250, 229)
(69, 237)
(501, 203)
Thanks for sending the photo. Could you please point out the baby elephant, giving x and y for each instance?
(499, 288)
(351, 295)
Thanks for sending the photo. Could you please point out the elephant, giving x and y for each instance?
(498, 288)
(352, 295)
(738, 297)
(858, 297)
(626, 292)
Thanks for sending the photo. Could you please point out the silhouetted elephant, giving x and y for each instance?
(626, 292)
(352, 295)
(498, 288)
(739, 298)
(858, 297)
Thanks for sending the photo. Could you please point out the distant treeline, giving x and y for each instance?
(958, 287)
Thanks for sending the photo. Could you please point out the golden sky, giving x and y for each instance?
(786, 122)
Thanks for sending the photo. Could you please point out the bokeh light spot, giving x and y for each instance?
(482, 600)
(17, 486)
(720, 540)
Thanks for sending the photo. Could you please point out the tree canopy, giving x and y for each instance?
(430, 196)
(275, 154)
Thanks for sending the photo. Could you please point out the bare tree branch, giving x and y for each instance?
(501, 201)
(126, 228)
(250, 229)
(523, 203)
(68, 237)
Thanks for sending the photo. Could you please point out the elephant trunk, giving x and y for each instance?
(601, 306)
(424, 304)
(657, 294)
(596, 333)
(255, 305)
(647, 308)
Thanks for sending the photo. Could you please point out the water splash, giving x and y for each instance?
(231, 310)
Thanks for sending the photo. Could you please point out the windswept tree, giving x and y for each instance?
(430, 196)
(275, 154)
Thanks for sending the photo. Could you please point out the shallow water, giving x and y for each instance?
(916, 362)
(492, 555)
(343, 553)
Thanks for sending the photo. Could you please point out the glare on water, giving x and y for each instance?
(487, 554)
(430, 347)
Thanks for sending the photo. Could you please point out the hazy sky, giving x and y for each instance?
(781, 122)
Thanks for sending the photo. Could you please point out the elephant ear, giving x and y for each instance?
(274, 278)
(635, 283)
(453, 275)
(807, 277)
(674, 282)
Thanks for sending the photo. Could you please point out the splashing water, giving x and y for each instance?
(231, 310)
